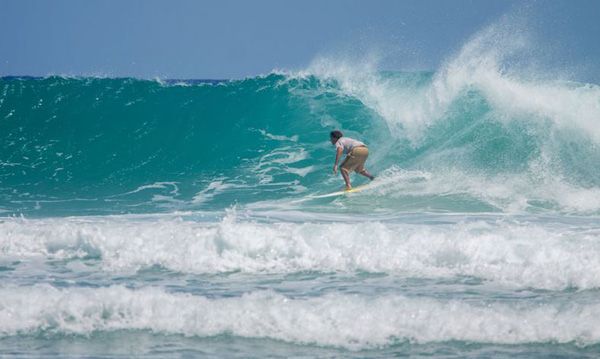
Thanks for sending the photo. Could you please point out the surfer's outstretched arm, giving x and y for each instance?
(338, 154)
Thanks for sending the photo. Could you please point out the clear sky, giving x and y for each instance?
(232, 39)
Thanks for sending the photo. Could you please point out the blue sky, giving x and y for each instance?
(232, 39)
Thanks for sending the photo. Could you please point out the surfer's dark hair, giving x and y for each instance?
(336, 134)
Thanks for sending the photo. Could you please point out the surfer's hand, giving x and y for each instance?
(335, 170)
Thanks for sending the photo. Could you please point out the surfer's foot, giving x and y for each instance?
(371, 177)
(348, 188)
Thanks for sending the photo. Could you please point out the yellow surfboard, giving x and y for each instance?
(340, 193)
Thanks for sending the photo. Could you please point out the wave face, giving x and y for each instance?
(467, 138)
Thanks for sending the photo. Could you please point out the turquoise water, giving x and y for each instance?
(177, 218)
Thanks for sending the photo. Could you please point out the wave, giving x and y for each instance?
(515, 253)
(350, 321)
(489, 134)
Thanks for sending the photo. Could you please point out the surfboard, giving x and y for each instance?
(341, 193)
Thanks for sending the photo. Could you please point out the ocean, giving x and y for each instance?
(178, 218)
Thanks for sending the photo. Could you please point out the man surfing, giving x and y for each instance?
(356, 154)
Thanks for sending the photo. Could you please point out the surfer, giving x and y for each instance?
(356, 154)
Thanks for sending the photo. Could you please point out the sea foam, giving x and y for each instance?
(350, 321)
(506, 251)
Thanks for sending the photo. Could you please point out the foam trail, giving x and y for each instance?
(509, 193)
(508, 252)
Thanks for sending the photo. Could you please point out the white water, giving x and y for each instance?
(508, 193)
(509, 252)
(350, 321)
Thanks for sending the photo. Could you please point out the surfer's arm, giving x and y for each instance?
(338, 154)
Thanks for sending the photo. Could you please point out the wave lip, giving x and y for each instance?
(521, 255)
(350, 321)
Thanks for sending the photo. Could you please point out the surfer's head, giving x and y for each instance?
(335, 135)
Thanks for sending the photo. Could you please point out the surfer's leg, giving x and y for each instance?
(346, 176)
(366, 173)
(346, 168)
(361, 154)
